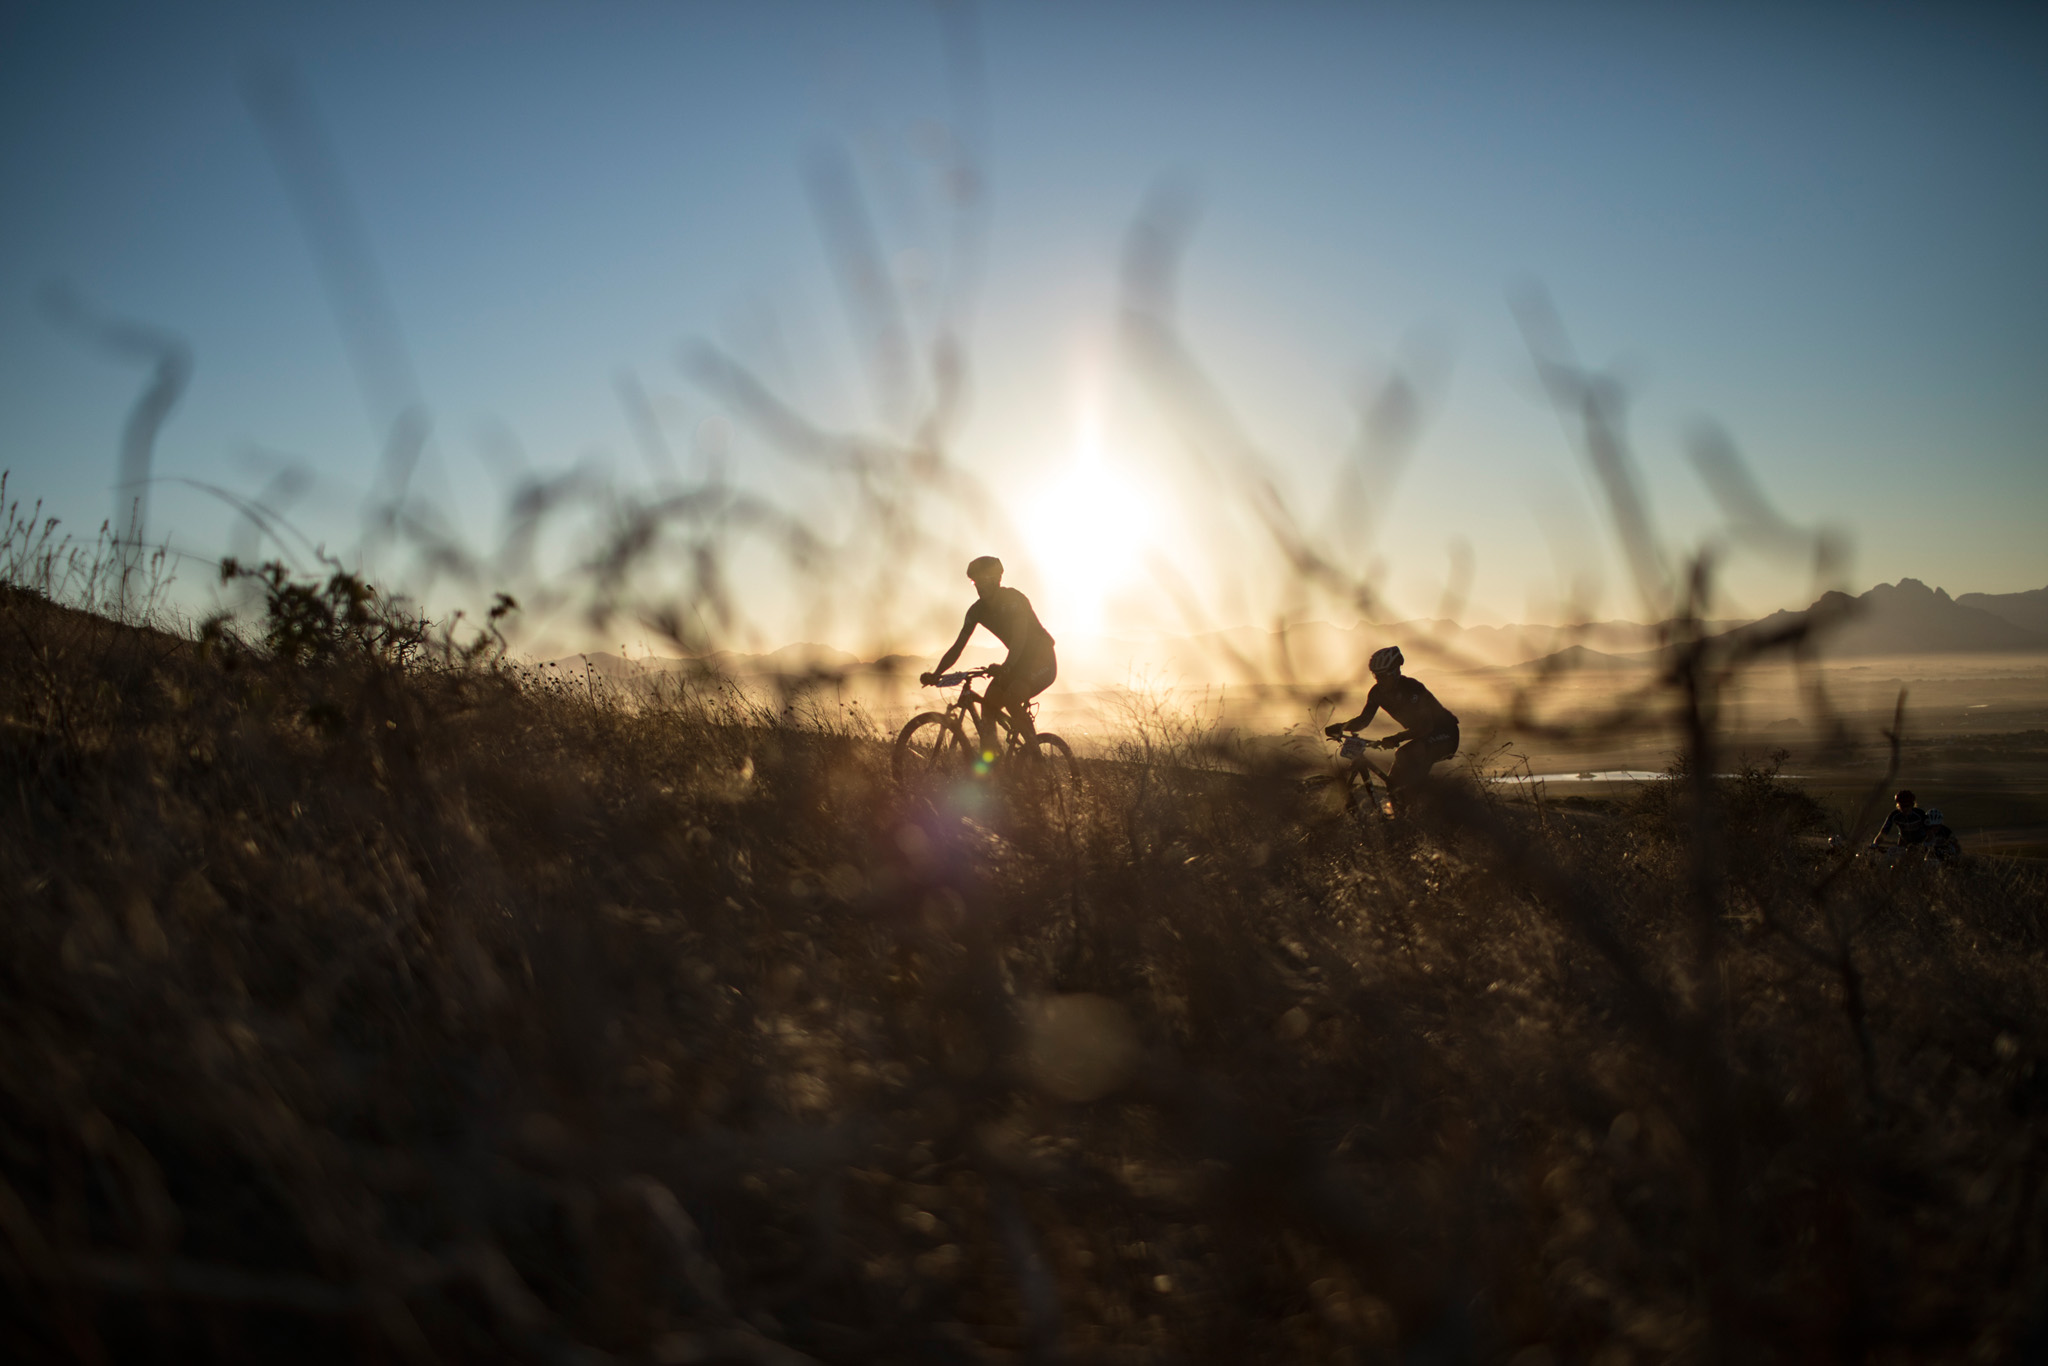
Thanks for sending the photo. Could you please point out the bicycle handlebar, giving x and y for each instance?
(959, 676)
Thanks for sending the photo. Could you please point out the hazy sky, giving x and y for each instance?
(1823, 228)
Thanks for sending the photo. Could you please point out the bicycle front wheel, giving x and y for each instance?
(1367, 790)
(930, 744)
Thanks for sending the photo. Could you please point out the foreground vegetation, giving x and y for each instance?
(364, 1002)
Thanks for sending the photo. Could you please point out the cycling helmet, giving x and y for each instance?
(1905, 797)
(1387, 660)
(983, 565)
(1934, 816)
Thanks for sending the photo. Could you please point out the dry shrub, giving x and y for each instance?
(362, 1005)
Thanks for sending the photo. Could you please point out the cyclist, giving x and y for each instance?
(1031, 666)
(1907, 818)
(1432, 732)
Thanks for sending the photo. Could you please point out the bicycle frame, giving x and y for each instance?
(972, 704)
(1353, 751)
(926, 739)
(1351, 760)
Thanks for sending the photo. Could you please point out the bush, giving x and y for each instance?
(398, 1006)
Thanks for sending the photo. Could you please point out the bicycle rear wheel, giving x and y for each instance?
(931, 744)
(1049, 776)
(1056, 757)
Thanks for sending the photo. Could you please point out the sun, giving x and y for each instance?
(1087, 531)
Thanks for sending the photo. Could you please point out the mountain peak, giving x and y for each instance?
(1908, 617)
(1909, 590)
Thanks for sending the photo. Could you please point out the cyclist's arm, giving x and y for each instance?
(1891, 819)
(1360, 721)
(959, 643)
(1364, 718)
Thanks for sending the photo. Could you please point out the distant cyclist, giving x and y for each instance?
(1907, 818)
(1432, 732)
(1031, 666)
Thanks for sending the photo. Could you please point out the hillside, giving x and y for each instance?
(789, 660)
(372, 1004)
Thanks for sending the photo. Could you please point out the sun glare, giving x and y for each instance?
(1087, 533)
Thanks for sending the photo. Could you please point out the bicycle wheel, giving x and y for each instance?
(1366, 792)
(1057, 757)
(1046, 774)
(930, 744)
(1357, 784)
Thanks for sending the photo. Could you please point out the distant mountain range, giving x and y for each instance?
(1322, 651)
(1905, 618)
(789, 661)
(2028, 610)
(1909, 618)
(1578, 659)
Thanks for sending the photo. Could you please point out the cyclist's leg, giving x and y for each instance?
(1034, 677)
(1413, 761)
(1445, 745)
(1017, 684)
(1411, 765)
(993, 703)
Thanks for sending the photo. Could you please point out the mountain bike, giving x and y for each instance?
(947, 743)
(1354, 773)
(1939, 851)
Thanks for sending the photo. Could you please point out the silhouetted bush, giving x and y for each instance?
(363, 1001)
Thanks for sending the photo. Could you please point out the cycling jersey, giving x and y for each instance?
(1408, 702)
(1007, 614)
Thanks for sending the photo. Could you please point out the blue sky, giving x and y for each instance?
(1821, 228)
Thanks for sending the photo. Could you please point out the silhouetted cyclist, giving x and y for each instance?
(1432, 732)
(1907, 818)
(1031, 666)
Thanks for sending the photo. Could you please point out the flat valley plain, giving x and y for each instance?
(1973, 744)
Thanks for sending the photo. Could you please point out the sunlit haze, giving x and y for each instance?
(1088, 529)
(1819, 228)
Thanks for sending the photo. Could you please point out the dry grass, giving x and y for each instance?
(366, 1008)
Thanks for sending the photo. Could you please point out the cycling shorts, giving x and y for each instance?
(1029, 676)
(1415, 758)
